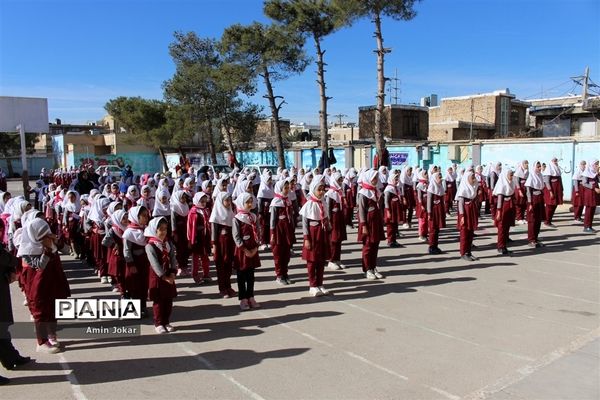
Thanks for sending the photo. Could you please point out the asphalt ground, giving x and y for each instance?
(437, 327)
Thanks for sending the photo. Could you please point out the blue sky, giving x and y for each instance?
(81, 53)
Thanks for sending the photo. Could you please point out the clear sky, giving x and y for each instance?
(81, 53)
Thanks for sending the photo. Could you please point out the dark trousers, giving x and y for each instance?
(409, 215)
(391, 232)
(588, 218)
(336, 251)
(162, 311)
(369, 255)
(434, 236)
(466, 241)
(245, 281)
(577, 212)
(315, 272)
(281, 259)
(8, 353)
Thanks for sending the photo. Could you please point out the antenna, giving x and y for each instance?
(339, 117)
(395, 87)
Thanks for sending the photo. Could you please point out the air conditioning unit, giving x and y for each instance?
(425, 156)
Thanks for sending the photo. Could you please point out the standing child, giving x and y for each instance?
(136, 260)
(198, 236)
(350, 191)
(421, 204)
(72, 228)
(521, 173)
(146, 200)
(578, 192)
(370, 228)
(131, 197)
(282, 229)
(505, 209)
(161, 288)
(436, 214)
(246, 258)
(553, 190)
(534, 186)
(494, 171)
(116, 261)
(98, 230)
(315, 230)
(179, 218)
(336, 213)
(221, 219)
(408, 194)
(265, 196)
(450, 183)
(393, 213)
(468, 213)
(591, 194)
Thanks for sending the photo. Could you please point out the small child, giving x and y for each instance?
(246, 258)
(505, 208)
(116, 261)
(393, 213)
(436, 214)
(161, 289)
(450, 183)
(468, 213)
(265, 196)
(146, 199)
(130, 199)
(534, 186)
(282, 228)
(421, 203)
(198, 236)
(336, 207)
(136, 260)
(221, 219)
(179, 218)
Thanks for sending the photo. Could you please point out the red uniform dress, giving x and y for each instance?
(552, 184)
(281, 234)
(264, 212)
(160, 292)
(520, 200)
(337, 219)
(591, 199)
(449, 195)
(179, 225)
(393, 213)
(409, 198)
(506, 206)
(490, 198)
(100, 252)
(116, 261)
(421, 209)
(350, 196)
(137, 282)
(482, 193)
(468, 214)
(436, 217)
(198, 236)
(577, 199)
(318, 236)
(222, 239)
(369, 216)
(246, 238)
(535, 213)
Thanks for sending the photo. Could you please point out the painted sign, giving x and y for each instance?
(397, 159)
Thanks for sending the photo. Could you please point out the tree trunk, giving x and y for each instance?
(275, 116)
(379, 134)
(211, 145)
(163, 158)
(324, 98)
(9, 167)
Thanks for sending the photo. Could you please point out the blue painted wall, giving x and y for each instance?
(140, 162)
(263, 158)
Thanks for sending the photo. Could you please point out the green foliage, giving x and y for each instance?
(10, 143)
(399, 10)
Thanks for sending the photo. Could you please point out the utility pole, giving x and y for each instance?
(24, 174)
(472, 119)
(584, 90)
(339, 117)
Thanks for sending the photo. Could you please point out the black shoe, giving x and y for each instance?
(466, 257)
(505, 251)
(4, 381)
(473, 246)
(437, 250)
(589, 230)
(394, 245)
(509, 240)
(22, 361)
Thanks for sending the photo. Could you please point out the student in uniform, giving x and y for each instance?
(246, 258)
(116, 261)
(72, 230)
(146, 199)
(494, 171)
(436, 215)
(282, 230)
(504, 217)
(590, 180)
(450, 189)
(265, 196)
(198, 236)
(163, 267)
(578, 192)
(408, 194)
(482, 190)
(370, 228)
(98, 230)
(392, 198)
(131, 197)
(315, 230)
(521, 174)
(534, 186)
(221, 219)
(350, 192)
(421, 204)
(179, 221)
(136, 261)
(336, 214)
(553, 190)
(468, 213)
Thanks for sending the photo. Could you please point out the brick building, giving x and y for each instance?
(565, 116)
(400, 122)
(492, 115)
(265, 128)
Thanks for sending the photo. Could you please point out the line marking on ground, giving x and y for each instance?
(523, 372)
(565, 262)
(70, 374)
(212, 367)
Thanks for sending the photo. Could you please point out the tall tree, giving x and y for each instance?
(315, 19)
(270, 53)
(399, 10)
(10, 146)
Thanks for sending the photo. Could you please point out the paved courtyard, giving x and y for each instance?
(437, 327)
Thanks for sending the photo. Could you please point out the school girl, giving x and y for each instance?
(265, 196)
(493, 174)
(315, 230)
(450, 188)
(246, 258)
(198, 236)
(131, 197)
(71, 226)
(553, 190)
(282, 231)
(179, 221)
(421, 204)
(96, 221)
(436, 215)
(370, 228)
(481, 190)
(146, 200)
(163, 267)
(336, 213)
(116, 260)
(521, 174)
(408, 194)
(350, 192)
(504, 216)
(534, 186)
(468, 213)
(393, 212)
(578, 192)
(136, 260)
(591, 194)
(221, 219)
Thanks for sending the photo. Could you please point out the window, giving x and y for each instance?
(410, 125)
(514, 117)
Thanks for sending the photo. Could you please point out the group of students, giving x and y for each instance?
(140, 239)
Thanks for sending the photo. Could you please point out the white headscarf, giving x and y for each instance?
(450, 176)
(589, 170)
(283, 200)
(365, 189)
(434, 187)
(335, 188)
(405, 178)
(69, 206)
(465, 189)
(312, 208)
(265, 190)
(535, 180)
(220, 214)
(246, 217)
(552, 169)
(97, 212)
(416, 174)
(160, 209)
(151, 230)
(181, 209)
(504, 186)
(31, 237)
(135, 235)
(579, 171)
(116, 221)
(521, 172)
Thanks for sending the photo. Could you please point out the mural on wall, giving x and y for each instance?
(140, 162)
(263, 158)
(311, 158)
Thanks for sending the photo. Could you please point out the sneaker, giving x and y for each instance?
(406, 226)
(207, 279)
(253, 303)
(53, 340)
(115, 289)
(170, 328)
(532, 244)
(504, 251)
(225, 295)
(589, 230)
(104, 279)
(466, 257)
(378, 274)
(289, 281)
(578, 220)
(472, 257)
(262, 247)
(333, 266)
(281, 281)
(540, 244)
(370, 275)
(393, 245)
(315, 292)
(422, 238)
(550, 225)
(160, 329)
(244, 306)
(197, 278)
(25, 303)
(342, 266)
(47, 348)
(180, 272)
(324, 291)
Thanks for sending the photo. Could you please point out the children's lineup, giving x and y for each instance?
(138, 233)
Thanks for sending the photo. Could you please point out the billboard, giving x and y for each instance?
(29, 111)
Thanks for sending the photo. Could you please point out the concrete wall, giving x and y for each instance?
(140, 162)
